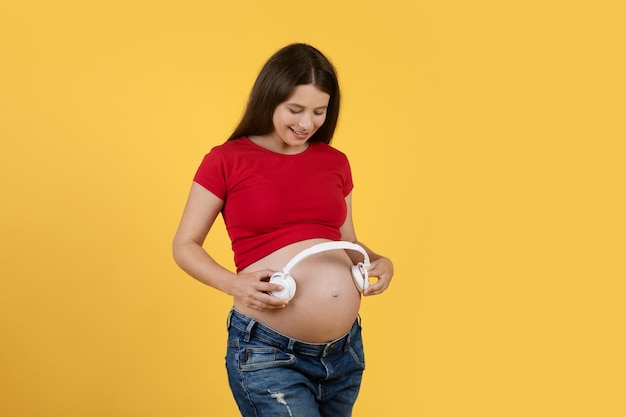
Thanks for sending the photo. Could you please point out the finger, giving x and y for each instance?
(376, 270)
(376, 288)
(264, 286)
(272, 303)
(282, 305)
(265, 305)
(372, 290)
(264, 274)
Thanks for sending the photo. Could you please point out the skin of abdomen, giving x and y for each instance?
(326, 302)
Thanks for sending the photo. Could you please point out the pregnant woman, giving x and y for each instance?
(294, 334)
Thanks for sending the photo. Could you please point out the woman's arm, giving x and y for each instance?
(200, 212)
(380, 266)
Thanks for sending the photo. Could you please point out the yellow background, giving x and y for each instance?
(487, 145)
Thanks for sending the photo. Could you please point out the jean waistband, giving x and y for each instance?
(253, 328)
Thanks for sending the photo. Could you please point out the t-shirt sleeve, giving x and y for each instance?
(348, 184)
(211, 174)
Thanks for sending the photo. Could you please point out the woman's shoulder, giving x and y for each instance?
(231, 147)
(328, 152)
(327, 148)
(232, 144)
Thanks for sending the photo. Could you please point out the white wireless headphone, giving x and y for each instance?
(284, 278)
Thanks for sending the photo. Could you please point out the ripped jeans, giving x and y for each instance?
(273, 375)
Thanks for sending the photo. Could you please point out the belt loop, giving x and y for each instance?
(290, 345)
(230, 315)
(249, 330)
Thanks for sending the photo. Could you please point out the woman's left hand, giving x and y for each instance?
(382, 268)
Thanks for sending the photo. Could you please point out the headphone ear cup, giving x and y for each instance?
(360, 276)
(288, 283)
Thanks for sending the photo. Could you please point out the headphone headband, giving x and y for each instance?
(323, 247)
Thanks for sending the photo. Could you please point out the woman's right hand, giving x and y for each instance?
(252, 289)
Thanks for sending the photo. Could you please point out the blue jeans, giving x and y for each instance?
(273, 375)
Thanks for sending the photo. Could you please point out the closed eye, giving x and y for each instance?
(317, 112)
(320, 111)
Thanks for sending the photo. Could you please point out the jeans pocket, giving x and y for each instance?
(253, 358)
(355, 348)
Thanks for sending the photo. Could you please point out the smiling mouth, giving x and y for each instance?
(299, 133)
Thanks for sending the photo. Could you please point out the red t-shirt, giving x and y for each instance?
(272, 200)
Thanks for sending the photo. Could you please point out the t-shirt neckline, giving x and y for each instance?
(278, 153)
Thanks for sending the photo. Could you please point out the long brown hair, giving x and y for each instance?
(293, 65)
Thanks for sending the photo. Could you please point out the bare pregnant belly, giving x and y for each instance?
(326, 301)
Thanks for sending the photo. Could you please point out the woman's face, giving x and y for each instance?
(299, 117)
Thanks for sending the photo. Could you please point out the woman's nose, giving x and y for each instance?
(306, 120)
